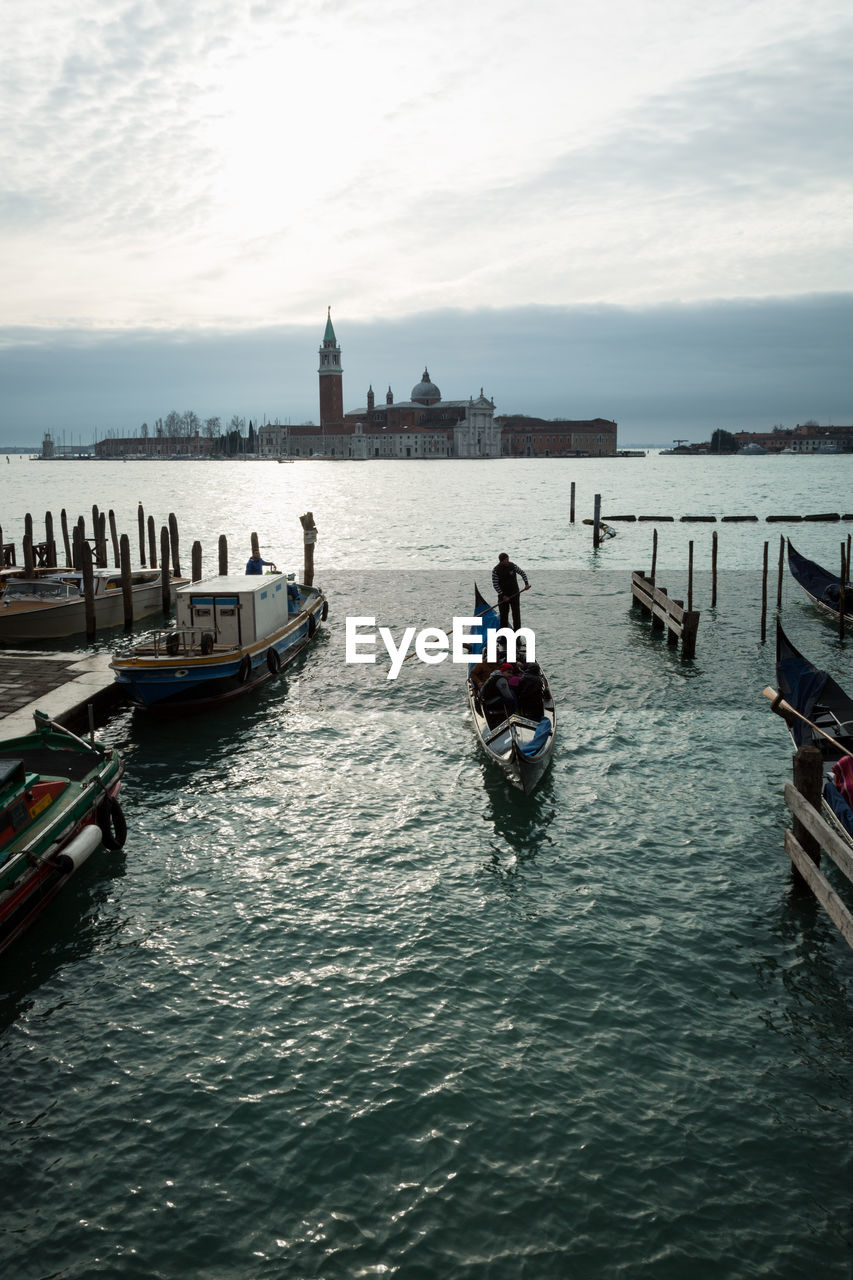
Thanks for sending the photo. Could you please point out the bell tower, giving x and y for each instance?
(331, 378)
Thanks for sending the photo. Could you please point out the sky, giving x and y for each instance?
(638, 210)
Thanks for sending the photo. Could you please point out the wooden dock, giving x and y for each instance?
(64, 685)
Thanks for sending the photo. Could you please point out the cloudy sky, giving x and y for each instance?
(639, 209)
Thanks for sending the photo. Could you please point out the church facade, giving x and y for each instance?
(425, 425)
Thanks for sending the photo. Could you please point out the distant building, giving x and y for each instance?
(805, 438)
(539, 438)
(425, 425)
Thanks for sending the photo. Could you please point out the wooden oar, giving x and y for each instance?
(783, 708)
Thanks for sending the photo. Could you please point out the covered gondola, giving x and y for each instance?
(516, 726)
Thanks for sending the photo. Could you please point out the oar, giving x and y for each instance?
(783, 708)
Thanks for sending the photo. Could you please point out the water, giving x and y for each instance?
(348, 1006)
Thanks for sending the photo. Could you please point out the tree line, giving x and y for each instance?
(187, 425)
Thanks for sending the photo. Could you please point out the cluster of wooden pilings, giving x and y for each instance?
(844, 574)
(83, 553)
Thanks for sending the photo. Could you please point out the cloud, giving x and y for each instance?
(660, 372)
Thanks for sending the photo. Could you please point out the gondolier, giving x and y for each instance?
(505, 577)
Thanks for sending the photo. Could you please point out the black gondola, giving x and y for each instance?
(822, 587)
(520, 740)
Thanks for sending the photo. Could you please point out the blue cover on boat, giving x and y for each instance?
(838, 805)
(540, 737)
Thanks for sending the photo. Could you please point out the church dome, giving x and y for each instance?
(426, 392)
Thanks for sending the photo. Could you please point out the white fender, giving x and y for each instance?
(76, 853)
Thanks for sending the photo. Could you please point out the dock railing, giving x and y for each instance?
(811, 827)
(666, 613)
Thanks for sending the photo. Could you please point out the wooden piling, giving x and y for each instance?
(223, 555)
(654, 555)
(173, 542)
(29, 559)
(152, 543)
(764, 595)
(126, 585)
(140, 519)
(81, 540)
(88, 587)
(165, 575)
(63, 519)
(781, 572)
(690, 577)
(309, 539)
(808, 779)
(114, 539)
(596, 521)
(572, 503)
(49, 539)
(100, 532)
(842, 595)
(256, 547)
(714, 569)
(196, 562)
(28, 527)
(95, 527)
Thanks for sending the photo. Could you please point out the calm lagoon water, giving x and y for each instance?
(346, 1005)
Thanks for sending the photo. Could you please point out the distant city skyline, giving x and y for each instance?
(638, 210)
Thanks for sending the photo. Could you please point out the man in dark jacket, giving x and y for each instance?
(505, 581)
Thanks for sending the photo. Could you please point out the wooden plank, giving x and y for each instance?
(820, 887)
(817, 826)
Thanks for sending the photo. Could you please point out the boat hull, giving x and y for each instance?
(44, 841)
(68, 617)
(193, 681)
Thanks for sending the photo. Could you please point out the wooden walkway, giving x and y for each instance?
(60, 684)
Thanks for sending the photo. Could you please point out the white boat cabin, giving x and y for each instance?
(239, 609)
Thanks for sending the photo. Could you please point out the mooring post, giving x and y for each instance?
(714, 569)
(126, 583)
(256, 547)
(841, 595)
(101, 539)
(690, 577)
(152, 543)
(95, 528)
(808, 779)
(173, 541)
(140, 520)
(764, 595)
(572, 503)
(28, 528)
(29, 560)
(88, 588)
(196, 562)
(309, 539)
(81, 542)
(49, 539)
(654, 555)
(596, 520)
(114, 539)
(781, 571)
(223, 556)
(165, 576)
(63, 519)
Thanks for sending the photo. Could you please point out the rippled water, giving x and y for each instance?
(348, 1006)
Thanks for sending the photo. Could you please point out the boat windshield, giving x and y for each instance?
(42, 589)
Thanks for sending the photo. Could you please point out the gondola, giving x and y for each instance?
(822, 587)
(815, 695)
(521, 741)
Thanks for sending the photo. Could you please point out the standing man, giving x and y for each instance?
(505, 582)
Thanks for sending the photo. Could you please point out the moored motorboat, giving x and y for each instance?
(53, 606)
(57, 806)
(516, 727)
(821, 700)
(231, 633)
(822, 587)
